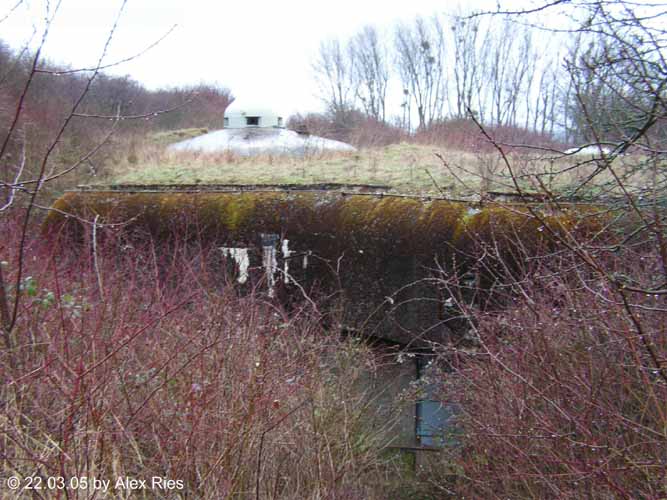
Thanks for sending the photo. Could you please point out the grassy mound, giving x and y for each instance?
(406, 168)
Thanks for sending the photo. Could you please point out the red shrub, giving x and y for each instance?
(564, 395)
(142, 362)
(464, 135)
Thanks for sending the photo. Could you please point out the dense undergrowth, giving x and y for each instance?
(564, 396)
(141, 362)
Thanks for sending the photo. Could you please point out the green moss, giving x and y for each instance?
(444, 218)
(391, 225)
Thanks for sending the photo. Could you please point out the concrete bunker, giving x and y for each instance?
(252, 130)
(376, 257)
(239, 116)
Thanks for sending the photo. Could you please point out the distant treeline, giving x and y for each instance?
(355, 127)
(583, 87)
(115, 103)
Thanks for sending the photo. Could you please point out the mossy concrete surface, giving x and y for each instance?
(374, 255)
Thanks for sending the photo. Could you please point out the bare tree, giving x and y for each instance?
(420, 61)
(469, 47)
(506, 70)
(524, 62)
(495, 70)
(370, 72)
(333, 69)
(612, 90)
(490, 65)
(547, 96)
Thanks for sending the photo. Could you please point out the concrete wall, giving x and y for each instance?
(237, 118)
(375, 257)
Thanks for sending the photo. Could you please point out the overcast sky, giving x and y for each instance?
(260, 49)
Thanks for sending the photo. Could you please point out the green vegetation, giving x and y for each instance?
(402, 166)
(405, 168)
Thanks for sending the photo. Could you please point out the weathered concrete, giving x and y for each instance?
(374, 256)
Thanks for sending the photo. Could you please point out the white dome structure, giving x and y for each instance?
(254, 140)
(250, 131)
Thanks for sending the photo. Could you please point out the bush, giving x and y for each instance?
(131, 362)
(465, 135)
(352, 127)
(113, 112)
(564, 396)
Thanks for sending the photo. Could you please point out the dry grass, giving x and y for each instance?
(405, 168)
(402, 166)
(170, 136)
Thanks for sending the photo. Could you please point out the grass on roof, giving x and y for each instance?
(407, 168)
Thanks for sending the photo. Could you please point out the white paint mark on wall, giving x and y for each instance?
(270, 264)
(286, 253)
(240, 257)
(269, 260)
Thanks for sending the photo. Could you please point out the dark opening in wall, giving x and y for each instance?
(252, 120)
